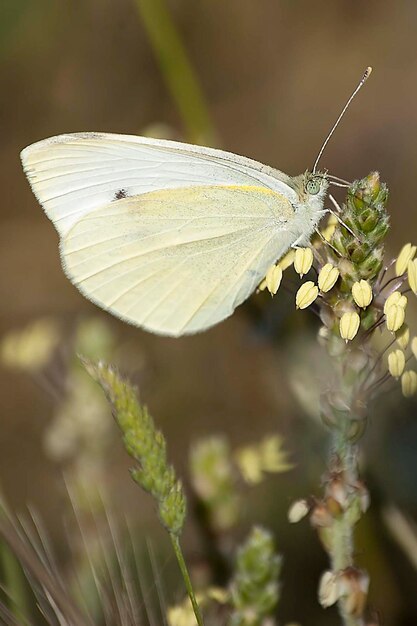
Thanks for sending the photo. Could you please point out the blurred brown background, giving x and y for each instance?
(275, 74)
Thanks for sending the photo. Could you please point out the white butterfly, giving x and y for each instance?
(168, 236)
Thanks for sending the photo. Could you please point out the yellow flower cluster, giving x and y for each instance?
(362, 296)
(268, 456)
(309, 291)
(32, 348)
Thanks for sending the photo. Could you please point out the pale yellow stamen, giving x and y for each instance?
(396, 298)
(412, 275)
(349, 325)
(262, 286)
(297, 511)
(403, 336)
(396, 363)
(327, 277)
(329, 591)
(409, 383)
(407, 254)
(273, 279)
(287, 260)
(395, 316)
(306, 295)
(414, 346)
(303, 260)
(362, 293)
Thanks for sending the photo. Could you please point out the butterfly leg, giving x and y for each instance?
(339, 219)
(327, 243)
(302, 242)
(335, 204)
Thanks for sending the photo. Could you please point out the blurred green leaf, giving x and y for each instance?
(11, 12)
(177, 70)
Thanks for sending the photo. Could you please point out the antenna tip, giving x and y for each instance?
(367, 73)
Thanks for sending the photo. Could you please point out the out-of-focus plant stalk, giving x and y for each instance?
(14, 583)
(186, 577)
(152, 472)
(342, 553)
(177, 70)
(255, 586)
(345, 500)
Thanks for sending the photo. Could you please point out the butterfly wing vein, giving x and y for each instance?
(188, 275)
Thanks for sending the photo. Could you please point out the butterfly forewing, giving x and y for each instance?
(72, 175)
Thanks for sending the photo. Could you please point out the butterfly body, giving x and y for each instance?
(168, 236)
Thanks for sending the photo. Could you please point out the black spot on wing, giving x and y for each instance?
(120, 194)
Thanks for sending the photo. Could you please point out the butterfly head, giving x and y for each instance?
(309, 186)
(315, 184)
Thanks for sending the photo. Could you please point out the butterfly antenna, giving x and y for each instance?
(338, 179)
(335, 125)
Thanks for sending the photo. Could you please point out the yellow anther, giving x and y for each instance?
(303, 260)
(407, 254)
(396, 363)
(349, 325)
(409, 383)
(412, 275)
(414, 346)
(362, 293)
(403, 336)
(327, 277)
(297, 511)
(287, 260)
(306, 295)
(395, 316)
(273, 279)
(395, 298)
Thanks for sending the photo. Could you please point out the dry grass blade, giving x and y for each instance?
(54, 601)
(7, 617)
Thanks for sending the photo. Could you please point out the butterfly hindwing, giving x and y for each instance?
(178, 261)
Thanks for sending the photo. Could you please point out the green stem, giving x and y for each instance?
(187, 580)
(342, 553)
(177, 70)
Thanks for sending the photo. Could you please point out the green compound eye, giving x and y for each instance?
(313, 186)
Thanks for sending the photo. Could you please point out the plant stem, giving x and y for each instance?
(342, 555)
(342, 552)
(177, 69)
(187, 579)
